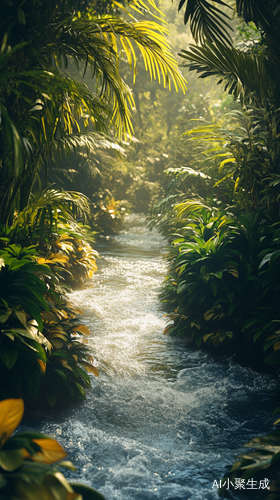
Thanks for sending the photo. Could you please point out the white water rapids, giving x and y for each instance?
(161, 422)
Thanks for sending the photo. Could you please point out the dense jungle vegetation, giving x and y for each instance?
(87, 134)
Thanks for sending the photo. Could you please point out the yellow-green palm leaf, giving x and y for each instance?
(98, 43)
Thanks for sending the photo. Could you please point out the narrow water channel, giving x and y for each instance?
(161, 422)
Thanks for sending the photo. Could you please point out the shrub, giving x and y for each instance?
(26, 459)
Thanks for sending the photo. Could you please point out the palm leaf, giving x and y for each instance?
(254, 10)
(51, 197)
(207, 22)
(97, 43)
(189, 207)
(55, 149)
(243, 74)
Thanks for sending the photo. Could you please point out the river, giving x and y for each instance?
(162, 421)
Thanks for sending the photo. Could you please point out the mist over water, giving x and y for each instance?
(162, 421)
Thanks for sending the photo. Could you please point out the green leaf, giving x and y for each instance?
(9, 335)
(52, 398)
(3, 482)
(67, 465)
(208, 315)
(60, 373)
(257, 335)
(9, 356)
(87, 492)
(273, 358)
(5, 316)
(198, 341)
(80, 388)
(10, 460)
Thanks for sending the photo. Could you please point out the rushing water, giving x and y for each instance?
(161, 422)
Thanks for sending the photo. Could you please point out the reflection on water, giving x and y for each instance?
(162, 422)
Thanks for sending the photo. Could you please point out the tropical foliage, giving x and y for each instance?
(41, 337)
(222, 289)
(264, 457)
(26, 462)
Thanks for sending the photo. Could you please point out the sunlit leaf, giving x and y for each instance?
(82, 329)
(11, 413)
(43, 365)
(91, 368)
(51, 451)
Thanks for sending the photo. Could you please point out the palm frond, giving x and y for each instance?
(243, 74)
(207, 22)
(257, 11)
(187, 172)
(90, 141)
(140, 7)
(52, 199)
(10, 137)
(65, 106)
(97, 43)
(189, 207)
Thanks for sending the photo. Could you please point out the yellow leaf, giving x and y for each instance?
(64, 362)
(75, 357)
(11, 413)
(58, 258)
(63, 481)
(55, 331)
(91, 368)
(51, 451)
(43, 365)
(65, 237)
(272, 337)
(234, 272)
(205, 337)
(48, 316)
(41, 260)
(81, 329)
(74, 496)
(57, 343)
(78, 311)
(166, 330)
(276, 346)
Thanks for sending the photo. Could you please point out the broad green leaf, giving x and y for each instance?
(5, 316)
(10, 460)
(9, 356)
